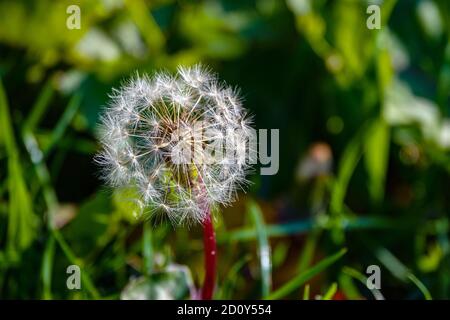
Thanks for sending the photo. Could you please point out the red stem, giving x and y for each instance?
(209, 242)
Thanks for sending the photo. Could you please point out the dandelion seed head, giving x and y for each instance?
(151, 122)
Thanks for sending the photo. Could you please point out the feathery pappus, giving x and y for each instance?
(181, 140)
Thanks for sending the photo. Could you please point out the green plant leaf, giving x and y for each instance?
(306, 275)
(22, 222)
(40, 106)
(306, 292)
(147, 247)
(400, 271)
(64, 122)
(47, 267)
(347, 271)
(230, 281)
(376, 158)
(264, 251)
(347, 166)
(330, 292)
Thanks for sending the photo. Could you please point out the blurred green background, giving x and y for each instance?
(364, 149)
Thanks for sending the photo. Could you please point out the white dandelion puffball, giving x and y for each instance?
(182, 141)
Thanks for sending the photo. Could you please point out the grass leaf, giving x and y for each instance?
(300, 279)
(22, 222)
(306, 292)
(400, 271)
(40, 106)
(376, 158)
(330, 292)
(147, 248)
(47, 266)
(347, 166)
(63, 123)
(150, 30)
(361, 278)
(263, 247)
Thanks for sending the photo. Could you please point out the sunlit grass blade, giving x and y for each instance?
(350, 290)
(148, 27)
(386, 9)
(264, 251)
(419, 284)
(47, 267)
(329, 294)
(376, 158)
(306, 292)
(391, 262)
(300, 279)
(42, 173)
(347, 166)
(308, 250)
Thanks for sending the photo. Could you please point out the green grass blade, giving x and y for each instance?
(52, 203)
(400, 271)
(22, 222)
(376, 158)
(42, 173)
(147, 248)
(6, 130)
(263, 247)
(330, 292)
(394, 265)
(419, 284)
(306, 275)
(232, 277)
(363, 279)
(46, 269)
(85, 278)
(308, 250)
(347, 286)
(40, 107)
(306, 292)
(63, 123)
(151, 33)
(347, 166)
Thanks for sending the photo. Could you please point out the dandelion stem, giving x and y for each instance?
(209, 242)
